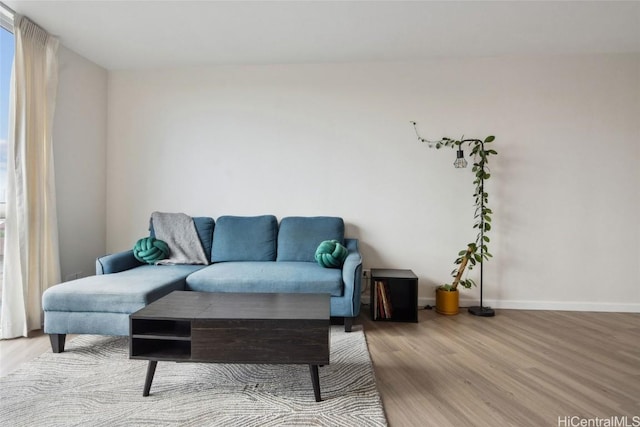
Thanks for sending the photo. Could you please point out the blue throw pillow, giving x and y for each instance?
(331, 254)
(150, 250)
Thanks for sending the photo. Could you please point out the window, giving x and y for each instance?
(7, 47)
(6, 63)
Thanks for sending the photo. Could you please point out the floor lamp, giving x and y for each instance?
(460, 162)
(480, 170)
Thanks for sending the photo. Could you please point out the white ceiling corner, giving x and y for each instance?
(153, 34)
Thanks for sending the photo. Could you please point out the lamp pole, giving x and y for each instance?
(481, 310)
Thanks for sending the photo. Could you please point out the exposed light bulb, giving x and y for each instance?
(460, 161)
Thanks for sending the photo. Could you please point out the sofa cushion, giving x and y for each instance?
(204, 227)
(245, 238)
(299, 237)
(270, 277)
(124, 292)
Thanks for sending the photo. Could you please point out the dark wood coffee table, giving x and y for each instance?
(233, 328)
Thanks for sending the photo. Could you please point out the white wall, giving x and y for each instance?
(336, 140)
(79, 143)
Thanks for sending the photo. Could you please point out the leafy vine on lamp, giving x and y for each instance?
(476, 252)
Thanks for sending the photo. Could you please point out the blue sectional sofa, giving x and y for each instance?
(248, 254)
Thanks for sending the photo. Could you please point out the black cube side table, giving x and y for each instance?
(394, 295)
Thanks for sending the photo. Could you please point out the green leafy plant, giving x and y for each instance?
(477, 251)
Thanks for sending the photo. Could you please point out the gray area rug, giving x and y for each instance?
(94, 383)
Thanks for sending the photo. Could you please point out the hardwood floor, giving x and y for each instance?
(19, 350)
(520, 368)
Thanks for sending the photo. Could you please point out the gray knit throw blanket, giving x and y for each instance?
(178, 231)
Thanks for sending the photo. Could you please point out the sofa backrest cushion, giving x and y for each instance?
(204, 228)
(245, 238)
(299, 237)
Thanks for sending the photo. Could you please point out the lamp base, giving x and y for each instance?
(482, 311)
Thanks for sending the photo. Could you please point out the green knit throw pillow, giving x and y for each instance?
(331, 254)
(150, 250)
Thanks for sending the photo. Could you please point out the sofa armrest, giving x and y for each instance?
(114, 263)
(352, 274)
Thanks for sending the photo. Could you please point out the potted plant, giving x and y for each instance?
(447, 296)
(477, 251)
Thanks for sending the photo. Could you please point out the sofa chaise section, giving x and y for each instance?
(101, 304)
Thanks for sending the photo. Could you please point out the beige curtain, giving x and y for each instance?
(31, 262)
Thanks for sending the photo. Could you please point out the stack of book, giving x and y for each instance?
(383, 308)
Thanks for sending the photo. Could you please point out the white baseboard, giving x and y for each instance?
(544, 305)
(537, 305)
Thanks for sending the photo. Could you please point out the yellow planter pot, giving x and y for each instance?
(447, 302)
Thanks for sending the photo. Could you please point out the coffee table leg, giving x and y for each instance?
(315, 379)
(151, 370)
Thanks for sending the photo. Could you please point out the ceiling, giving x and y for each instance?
(153, 34)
